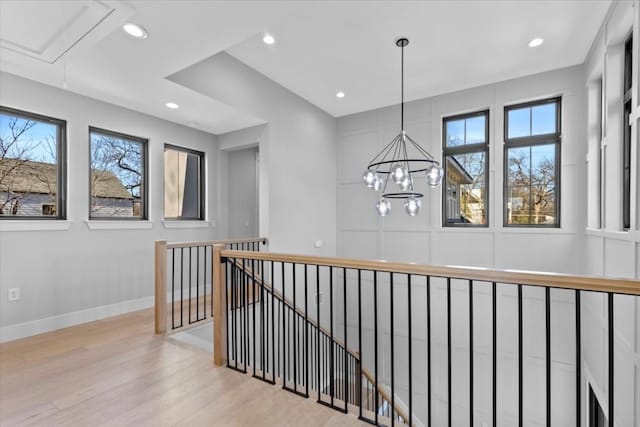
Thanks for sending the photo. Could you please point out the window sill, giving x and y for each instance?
(35, 225)
(536, 230)
(186, 224)
(119, 225)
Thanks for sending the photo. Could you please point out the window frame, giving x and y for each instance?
(144, 193)
(627, 108)
(466, 149)
(532, 141)
(203, 183)
(61, 164)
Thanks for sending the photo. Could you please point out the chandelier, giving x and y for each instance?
(393, 163)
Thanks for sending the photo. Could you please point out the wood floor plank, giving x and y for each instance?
(115, 373)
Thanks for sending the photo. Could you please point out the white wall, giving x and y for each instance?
(398, 237)
(69, 275)
(609, 250)
(300, 155)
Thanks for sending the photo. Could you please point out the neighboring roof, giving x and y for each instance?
(25, 176)
(462, 176)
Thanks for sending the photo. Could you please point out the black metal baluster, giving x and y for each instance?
(375, 340)
(331, 354)
(520, 358)
(449, 388)
(494, 337)
(234, 304)
(393, 390)
(173, 292)
(611, 333)
(547, 306)
(578, 358)
(295, 335)
(471, 352)
(245, 309)
(190, 251)
(346, 346)
(273, 326)
(284, 329)
(318, 323)
(306, 329)
(429, 415)
(226, 303)
(181, 287)
(262, 321)
(253, 303)
(359, 373)
(197, 283)
(410, 350)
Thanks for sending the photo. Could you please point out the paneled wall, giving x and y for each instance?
(609, 249)
(362, 234)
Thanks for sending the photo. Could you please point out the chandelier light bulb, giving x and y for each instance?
(412, 206)
(407, 183)
(369, 178)
(434, 176)
(398, 173)
(383, 207)
(378, 183)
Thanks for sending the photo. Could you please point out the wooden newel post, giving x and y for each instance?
(219, 309)
(161, 286)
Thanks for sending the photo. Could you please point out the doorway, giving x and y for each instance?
(242, 190)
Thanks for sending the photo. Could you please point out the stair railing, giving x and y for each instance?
(368, 306)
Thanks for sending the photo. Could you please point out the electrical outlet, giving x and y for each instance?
(14, 294)
(320, 298)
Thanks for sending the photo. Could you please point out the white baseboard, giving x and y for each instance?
(48, 324)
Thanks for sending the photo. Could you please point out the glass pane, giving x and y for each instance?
(531, 185)
(28, 167)
(475, 130)
(117, 174)
(519, 122)
(466, 189)
(181, 184)
(455, 133)
(543, 119)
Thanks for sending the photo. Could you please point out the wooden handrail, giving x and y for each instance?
(263, 240)
(530, 278)
(385, 395)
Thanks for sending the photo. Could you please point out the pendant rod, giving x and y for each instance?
(402, 88)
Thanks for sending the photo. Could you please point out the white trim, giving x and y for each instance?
(34, 225)
(119, 225)
(34, 327)
(186, 224)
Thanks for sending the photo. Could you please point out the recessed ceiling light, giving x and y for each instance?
(135, 30)
(536, 42)
(172, 105)
(268, 39)
(340, 94)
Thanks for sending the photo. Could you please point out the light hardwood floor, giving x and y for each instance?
(115, 372)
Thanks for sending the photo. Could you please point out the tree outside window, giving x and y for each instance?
(118, 175)
(32, 167)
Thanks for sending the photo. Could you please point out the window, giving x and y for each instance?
(118, 176)
(531, 164)
(32, 165)
(465, 141)
(183, 183)
(626, 136)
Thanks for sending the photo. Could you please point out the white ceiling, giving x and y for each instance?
(321, 47)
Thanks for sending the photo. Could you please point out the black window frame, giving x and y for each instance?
(627, 86)
(531, 141)
(61, 164)
(144, 193)
(203, 184)
(466, 149)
